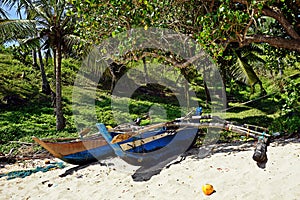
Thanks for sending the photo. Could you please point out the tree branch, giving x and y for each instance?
(282, 20)
(268, 11)
(249, 24)
(279, 42)
(291, 44)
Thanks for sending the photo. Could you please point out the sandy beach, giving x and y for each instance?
(229, 168)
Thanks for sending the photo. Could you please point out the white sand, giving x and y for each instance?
(233, 174)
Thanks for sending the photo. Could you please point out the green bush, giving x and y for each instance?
(289, 117)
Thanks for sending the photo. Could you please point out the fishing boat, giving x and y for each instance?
(84, 150)
(139, 146)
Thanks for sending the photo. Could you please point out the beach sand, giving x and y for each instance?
(230, 169)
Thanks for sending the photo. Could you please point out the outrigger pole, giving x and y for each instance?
(191, 122)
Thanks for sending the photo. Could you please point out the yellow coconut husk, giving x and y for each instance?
(208, 189)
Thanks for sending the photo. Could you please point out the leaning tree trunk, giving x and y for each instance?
(45, 84)
(60, 120)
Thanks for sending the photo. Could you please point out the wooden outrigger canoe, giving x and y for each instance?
(85, 150)
(139, 147)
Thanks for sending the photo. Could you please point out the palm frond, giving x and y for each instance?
(3, 13)
(30, 43)
(72, 40)
(248, 73)
(235, 72)
(20, 5)
(61, 9)
(39, 11)
(14, 29)
(253, 53)
(242, 71)
(44, 9)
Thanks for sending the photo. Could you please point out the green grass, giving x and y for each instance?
(30, 113)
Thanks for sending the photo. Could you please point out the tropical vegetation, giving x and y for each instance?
(254, 43)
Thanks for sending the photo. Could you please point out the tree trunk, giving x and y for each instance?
(60, 120)
(187, 94)
(45, 84)
(208, 99)
(113, 77)
(34, 60)
(54, 63)
(47, 56)
(223, 75)
(145, 70)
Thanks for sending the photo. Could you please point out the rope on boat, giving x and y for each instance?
(24, 173)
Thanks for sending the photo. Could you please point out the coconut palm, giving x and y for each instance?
(21, 30)
(54, 30)
(240, 67)
(28, 42)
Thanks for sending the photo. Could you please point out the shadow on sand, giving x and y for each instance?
(145, 173)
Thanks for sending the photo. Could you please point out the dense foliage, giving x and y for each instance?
(215, 24)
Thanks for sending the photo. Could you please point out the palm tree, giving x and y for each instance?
(56, 29)
(28, 41)
(240, 67)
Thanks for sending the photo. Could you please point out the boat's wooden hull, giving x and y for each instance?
(83, 151)
(89, 156)
(79, 151)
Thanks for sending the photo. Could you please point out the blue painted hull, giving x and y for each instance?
(153, 153)
(148, 147)
(79, 153)
(89, 156)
